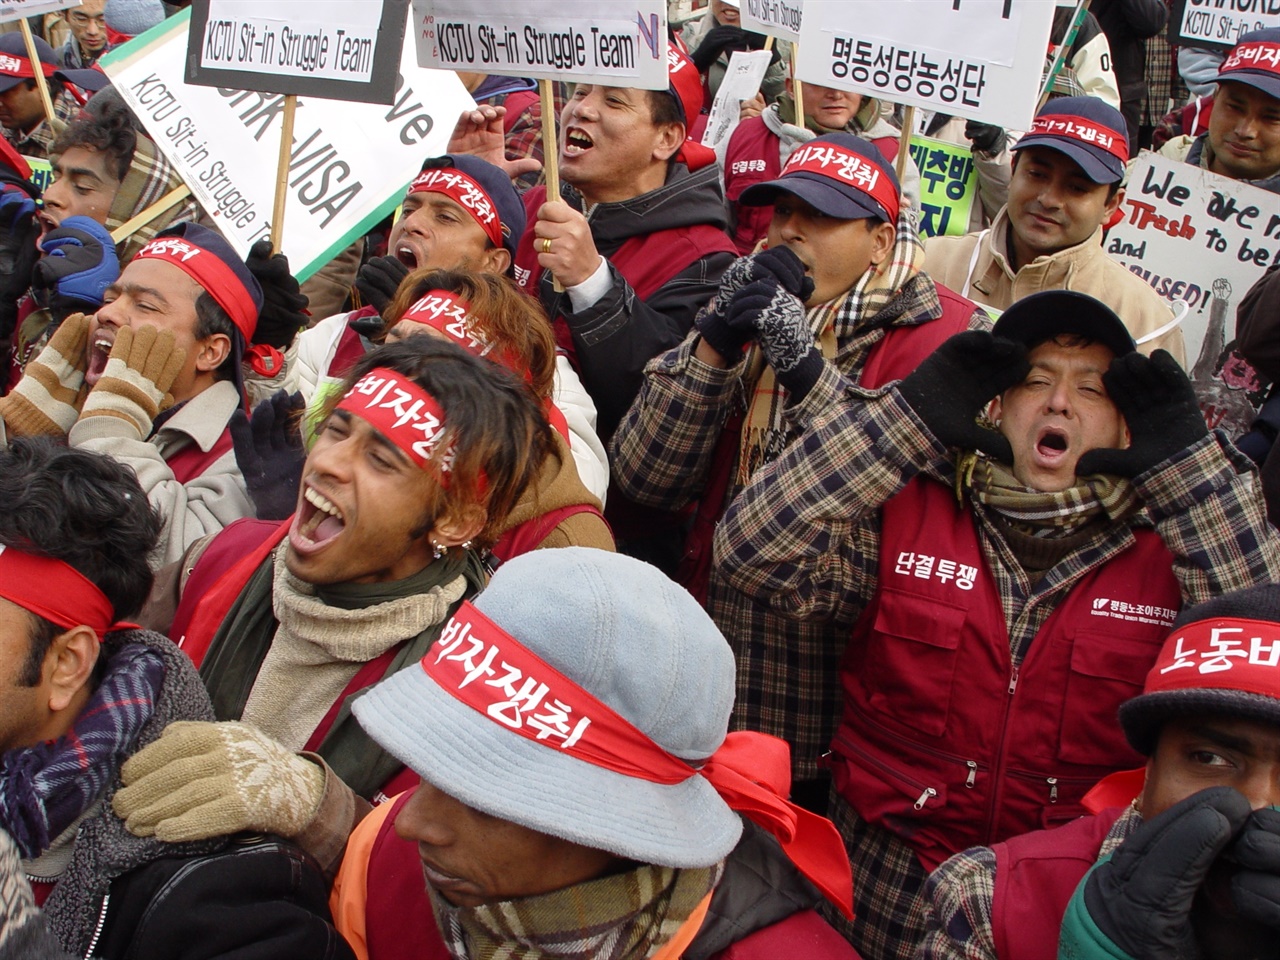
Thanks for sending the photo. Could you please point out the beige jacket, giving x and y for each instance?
(977, 266)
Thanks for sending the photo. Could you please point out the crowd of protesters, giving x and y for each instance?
(699, 563)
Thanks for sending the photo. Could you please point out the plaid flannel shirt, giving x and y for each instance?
(960, 894)
(803, 538)
(661, 455)
(39, 141)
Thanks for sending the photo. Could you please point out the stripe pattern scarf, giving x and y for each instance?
(44, 788)
(1046, 513)
(625, 916)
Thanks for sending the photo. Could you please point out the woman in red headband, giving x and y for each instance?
(488, 317)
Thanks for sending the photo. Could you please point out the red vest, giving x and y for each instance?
(1036, 876)
(646, 262)
(754, 155)
(942, 742)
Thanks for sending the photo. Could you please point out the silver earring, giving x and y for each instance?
(438, 550)
(466, 545)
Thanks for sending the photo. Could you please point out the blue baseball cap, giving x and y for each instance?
(1255, 60)
(484, 191)
(1089, 131)
(838, 174)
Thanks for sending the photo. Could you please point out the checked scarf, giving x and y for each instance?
(625, 916)
(764, 433)
(1041, 513)
(44, 788)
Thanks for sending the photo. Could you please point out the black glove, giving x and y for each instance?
(777, 265)
(78, 266)
(776, 319)
(18, 250)
(1255, 888)
(269, 453)
(379, 279)
(985, 137)
(718, 40)
(283, 305)
(1159, 406)
(1141, 898)
(955, 382)
(727, 341)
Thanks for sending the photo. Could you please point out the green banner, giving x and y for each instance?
(41, 172)
(948, 186)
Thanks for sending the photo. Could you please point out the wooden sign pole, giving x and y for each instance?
(130, 227)
(37, 68)
(904, 145)
(550, 148)
(282, 171)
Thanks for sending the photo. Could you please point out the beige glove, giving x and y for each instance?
(46, 401)
(202, 780)
(135, 384)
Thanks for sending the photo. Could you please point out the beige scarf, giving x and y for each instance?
(1040, 513)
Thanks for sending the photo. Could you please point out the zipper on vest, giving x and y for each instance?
(1053, 789)
(973, 773)
(97, 930)
(1013, 682)
(925, 797)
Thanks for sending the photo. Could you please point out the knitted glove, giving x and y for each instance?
(719, 39)
(135, 383)
(1160, 408)
(952, 385)
(269, 453)
(777, 264)
(1137, 903)
(379, 279)
(284, 307)
(78, 266)
(776, 319)
(47, 400)
(202, 780)
(1255, 888)
(986, 137)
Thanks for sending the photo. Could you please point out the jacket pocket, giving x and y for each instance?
(1106, 670)
(909, 671)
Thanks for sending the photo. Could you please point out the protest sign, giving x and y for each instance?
(20, 9)
(741, 82)
(948, 186)
(324, 48)
(1202, 239)
(611, 42)
(979, 59)
(774, 18)
(348, 165)
(1218, 25)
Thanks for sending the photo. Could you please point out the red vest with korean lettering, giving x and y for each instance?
(754, 155)
(1036, 876)
(942, 742)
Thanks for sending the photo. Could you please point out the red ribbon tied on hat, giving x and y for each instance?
(1084, 131)
(848, 169)
(56, 591)
(1253, 56)
(1220, 654)
(213, 274)
(467, 193)
(484, 667)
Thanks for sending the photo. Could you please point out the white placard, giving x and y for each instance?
(619, 44)
(979, 59)
(333, 39)
(351, 161)
(1204, 240)
(18, 9)
(1211, 23)
(774, 18)
(741, 81)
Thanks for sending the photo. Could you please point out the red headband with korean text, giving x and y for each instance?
(56, 591)
(848, 169)
(448, 313)
(402, 412)
(11, 66)
(1253, 56)
(211, 272)
(481, 665)
(1220, 654)
(466, 192)
(1082, 130)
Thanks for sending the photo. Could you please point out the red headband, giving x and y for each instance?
(402, 412)
(446, 312)
(1253, 56)
(484, 667)
(56, 591)
(1221, 654)
(11, 66)
(1084, 131)
(215, 276)
(847, 169)
(457, 186)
